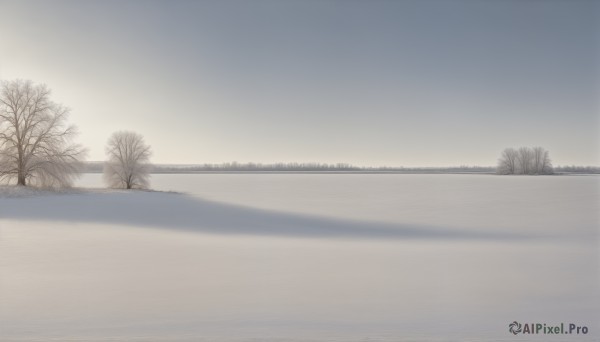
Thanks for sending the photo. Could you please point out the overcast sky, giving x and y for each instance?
(428, 83)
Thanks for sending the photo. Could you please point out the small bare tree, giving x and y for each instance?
(35, 143)
(128, 164)
(507, 164)
(524, 159)
(541, 161)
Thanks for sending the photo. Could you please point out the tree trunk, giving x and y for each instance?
(21, 179)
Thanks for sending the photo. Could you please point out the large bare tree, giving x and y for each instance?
(35, 142)
(128, 164)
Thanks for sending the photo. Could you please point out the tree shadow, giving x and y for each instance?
(184, 212)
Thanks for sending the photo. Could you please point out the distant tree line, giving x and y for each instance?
(312, 167)
(235, 166)
(577, 169)
(97, 167)
(433, 169)
(525, 161)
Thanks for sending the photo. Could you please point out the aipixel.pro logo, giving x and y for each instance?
(547, 329)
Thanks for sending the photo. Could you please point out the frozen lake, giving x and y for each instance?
(303, 257)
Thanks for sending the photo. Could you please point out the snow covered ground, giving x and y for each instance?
(301, 258)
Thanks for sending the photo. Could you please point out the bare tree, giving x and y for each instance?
(541, 161)
(525, 161)
(507, 164)
(128, 161)
(536, 159)
(546, 164)
(35, 143)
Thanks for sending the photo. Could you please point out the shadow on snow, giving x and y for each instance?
(184, 212)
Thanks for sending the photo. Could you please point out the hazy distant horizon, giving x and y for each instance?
(400, 83)
(362, 166)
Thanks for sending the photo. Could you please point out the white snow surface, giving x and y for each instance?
(300, 258)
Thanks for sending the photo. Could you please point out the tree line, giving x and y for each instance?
(96, 167)
(576, 169)
(249, 167)
(37, 148)
(525, 161)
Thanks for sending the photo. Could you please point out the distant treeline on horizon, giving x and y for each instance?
(97, 167)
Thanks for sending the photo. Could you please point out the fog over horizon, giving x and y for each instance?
(370, 83)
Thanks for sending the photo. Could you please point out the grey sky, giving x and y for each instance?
(365, 82)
